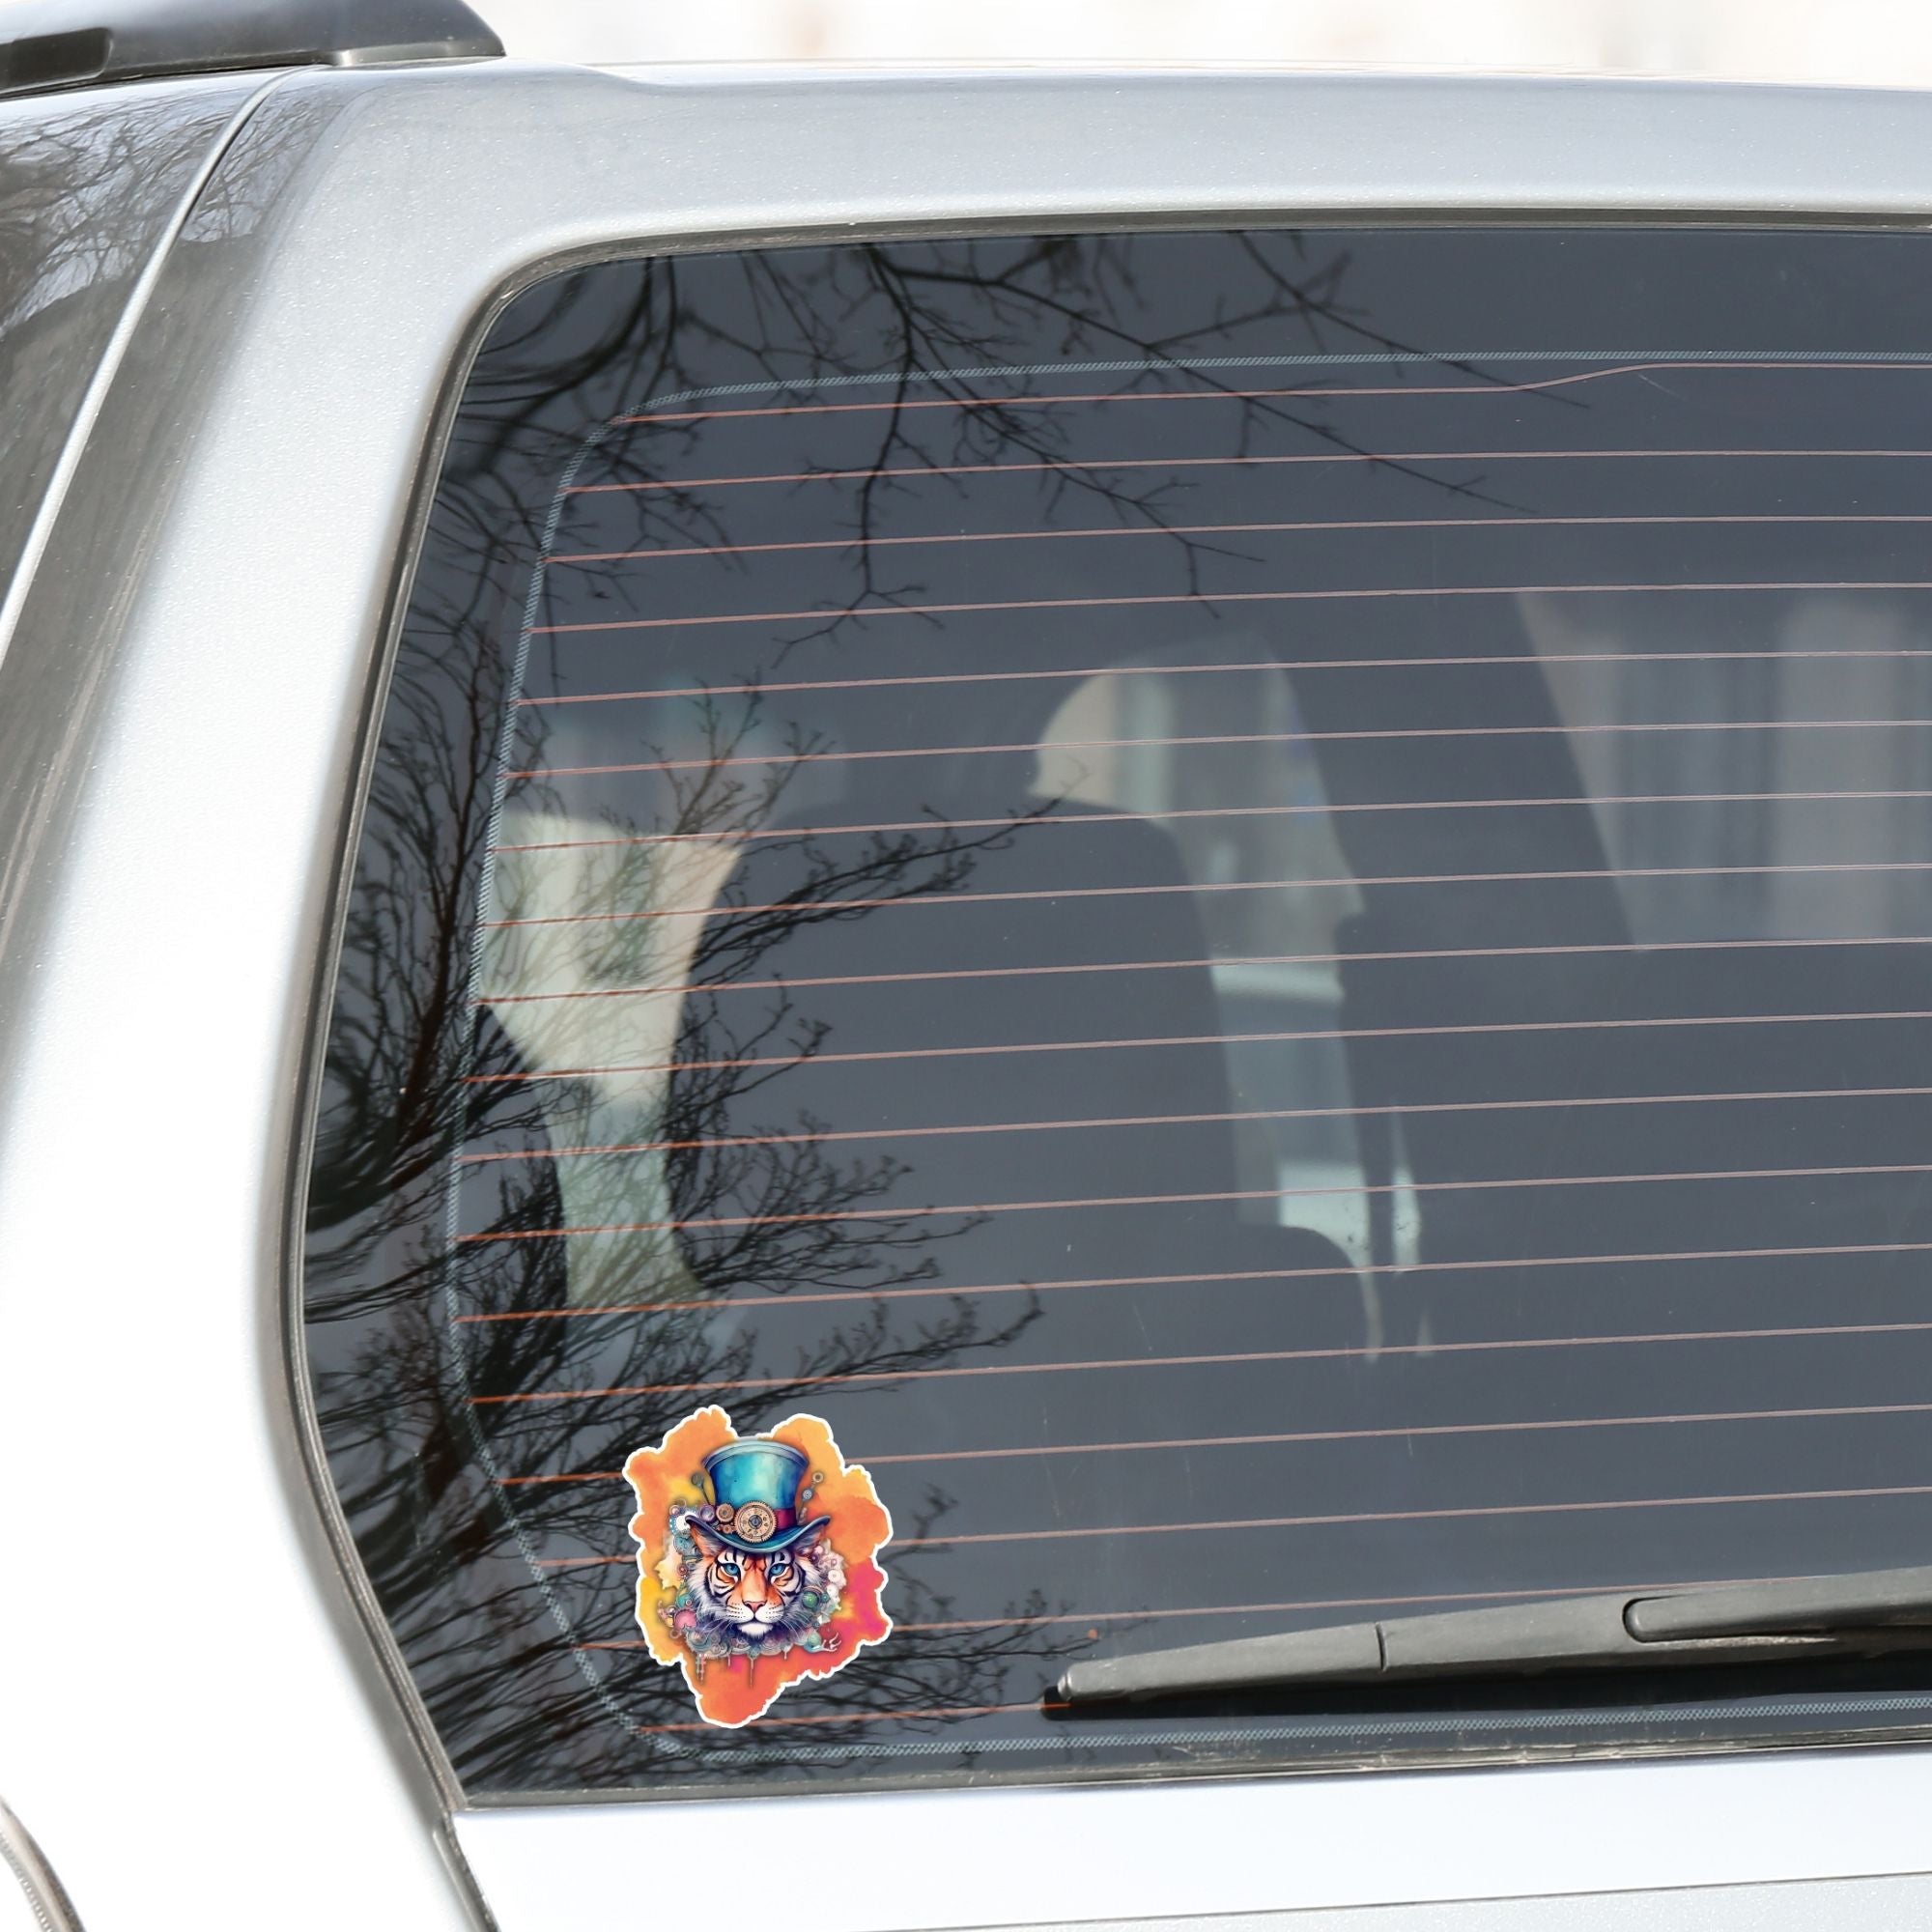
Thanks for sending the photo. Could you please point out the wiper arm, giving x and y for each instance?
(1870, 1612)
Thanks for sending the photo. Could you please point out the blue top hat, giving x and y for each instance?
(754, 1483)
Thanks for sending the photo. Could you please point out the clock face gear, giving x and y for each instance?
(754, 1523)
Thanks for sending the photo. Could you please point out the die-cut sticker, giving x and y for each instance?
(757, 1559)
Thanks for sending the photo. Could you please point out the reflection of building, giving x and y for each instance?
(1245, 814)
(603, 999)
(1701, 852)
(1847, 661)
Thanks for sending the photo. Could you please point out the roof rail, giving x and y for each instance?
(57, 44)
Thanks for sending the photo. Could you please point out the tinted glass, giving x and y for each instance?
(1255, 905)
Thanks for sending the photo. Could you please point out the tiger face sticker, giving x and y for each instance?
(756, 1559)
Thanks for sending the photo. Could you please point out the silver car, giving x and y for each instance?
(1015, 980)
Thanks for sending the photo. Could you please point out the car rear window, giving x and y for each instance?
(1233, 925)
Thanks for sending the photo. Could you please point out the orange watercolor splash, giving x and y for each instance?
(734, 1690)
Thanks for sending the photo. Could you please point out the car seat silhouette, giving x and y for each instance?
(1012, 1005)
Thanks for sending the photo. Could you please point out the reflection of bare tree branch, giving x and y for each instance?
(905, 293)
(86, 186)
(613, 1065)
(400, 1036)
(61, 171)
(442, 1537)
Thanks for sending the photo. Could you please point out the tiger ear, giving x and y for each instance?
(814, 1530)
(708, 1543)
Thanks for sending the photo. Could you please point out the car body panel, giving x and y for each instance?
(1132, 1854)
(185, 711)
(90, 189)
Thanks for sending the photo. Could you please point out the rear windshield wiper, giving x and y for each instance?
(1870, 1612)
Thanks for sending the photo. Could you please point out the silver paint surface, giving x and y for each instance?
(88, 187)
(1831, 1905)
(1163, 1853)
(183, 715)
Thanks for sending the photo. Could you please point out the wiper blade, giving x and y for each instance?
(1868, 1612)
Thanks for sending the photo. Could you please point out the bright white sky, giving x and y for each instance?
(1882, 41)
